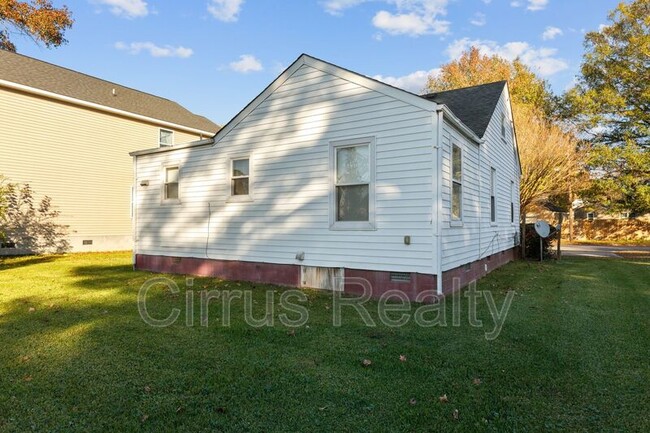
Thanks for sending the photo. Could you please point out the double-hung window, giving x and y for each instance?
(353, 173)
(240, 177)
(171, 184)
(456, 183)
(493, 194)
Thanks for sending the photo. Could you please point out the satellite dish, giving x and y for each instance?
(542, 228)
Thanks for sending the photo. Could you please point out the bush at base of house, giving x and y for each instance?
(29, 224)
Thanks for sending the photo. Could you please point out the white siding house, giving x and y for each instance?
(328, 172)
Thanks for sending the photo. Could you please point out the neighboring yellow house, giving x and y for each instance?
(69, 135)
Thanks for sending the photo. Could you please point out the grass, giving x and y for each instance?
(76, 356)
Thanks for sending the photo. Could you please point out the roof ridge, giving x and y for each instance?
(464, 88)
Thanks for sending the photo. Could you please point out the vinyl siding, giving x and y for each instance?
(288, 140)
(78, 157)
(476, 237)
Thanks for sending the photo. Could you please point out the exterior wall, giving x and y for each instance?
(78, 157)
(287, 138)
(421, 287)
(475, 236)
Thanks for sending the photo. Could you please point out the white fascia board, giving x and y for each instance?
(198, 143)
(462, 128)
(99, 107)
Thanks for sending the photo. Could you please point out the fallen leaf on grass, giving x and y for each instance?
(180, 409)
(402, 358)
(443, 398)
(366, 362)
(32, 309)
(144, 417)
(291, 333)
(476, 381)
(27, 378)
(413, 402)
(25, 358)
(455, 414)
(147, 388)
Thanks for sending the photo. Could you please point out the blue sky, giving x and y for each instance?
(214, 56)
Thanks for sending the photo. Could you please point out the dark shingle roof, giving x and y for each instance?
(41, 75)
(474, 105)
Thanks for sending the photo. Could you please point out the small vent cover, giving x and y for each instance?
(400, 277)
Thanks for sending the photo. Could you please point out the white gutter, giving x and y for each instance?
(437, 264)
(99, 107)
(198, 143)
(463, 129)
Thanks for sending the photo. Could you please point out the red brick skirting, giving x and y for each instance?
(289, 275)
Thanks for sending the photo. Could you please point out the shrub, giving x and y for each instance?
(30, 224)
(532, 243)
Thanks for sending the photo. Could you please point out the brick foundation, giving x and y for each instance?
(289, 275)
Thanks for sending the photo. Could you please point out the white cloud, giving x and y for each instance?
(155, 50)
(537, 5)
(602, 27)
(336, 7)
(225, 10)
(487, 2)
(515, 4)
(414, 82)
(478, 19)
(246, 63)
(406, 17)
(541, 60)
(126, 8)
(551, 33)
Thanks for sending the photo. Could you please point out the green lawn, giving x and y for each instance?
(76, 356)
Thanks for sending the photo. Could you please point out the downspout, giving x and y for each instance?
(134, 207)
(438, 205)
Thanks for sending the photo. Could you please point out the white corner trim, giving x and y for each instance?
(99, 107)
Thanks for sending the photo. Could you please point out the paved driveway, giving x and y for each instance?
(602, 250)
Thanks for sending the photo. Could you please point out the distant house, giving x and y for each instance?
(327, 174)
(68, 135)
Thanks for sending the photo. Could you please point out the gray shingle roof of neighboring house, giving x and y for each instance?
(41, 75)
(474, 105)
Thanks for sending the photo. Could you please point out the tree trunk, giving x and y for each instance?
(571, 213)
(523, 232)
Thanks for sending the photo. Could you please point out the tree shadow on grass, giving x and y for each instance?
(9, 262)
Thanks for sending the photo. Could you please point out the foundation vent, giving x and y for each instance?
(322, 278)
(87, 242)
(400, 277)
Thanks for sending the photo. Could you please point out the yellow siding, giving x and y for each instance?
(77, 156)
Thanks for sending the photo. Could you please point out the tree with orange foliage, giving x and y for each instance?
(550, 157)
(37, 19)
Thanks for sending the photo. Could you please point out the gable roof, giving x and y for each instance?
(426, 102)
(33, 73)
(474, 105)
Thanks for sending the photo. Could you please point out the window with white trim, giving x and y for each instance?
(353, 184)
(166, 138)
(493, 194)
(171, 184)
(456, 183)
(240, 177)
